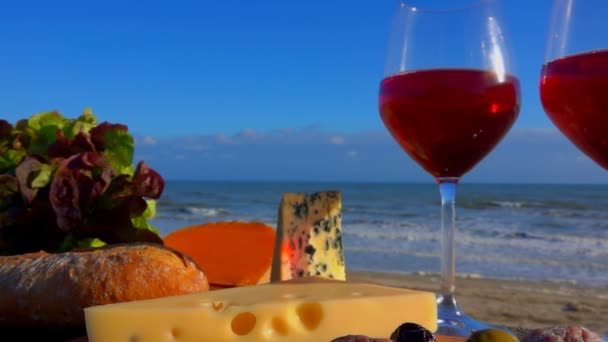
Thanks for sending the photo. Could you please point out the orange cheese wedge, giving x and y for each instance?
(231, 253)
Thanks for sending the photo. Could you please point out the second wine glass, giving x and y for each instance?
(448, 98)
(574, 78)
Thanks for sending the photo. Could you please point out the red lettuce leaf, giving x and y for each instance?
(5, 130)
(25, 227)
(78, 183)
(114, 225)
(24, 173)
(149, 183)
(99, 132)
(64, 147)
(10, 197)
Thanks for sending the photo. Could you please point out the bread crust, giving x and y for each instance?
(41, 289)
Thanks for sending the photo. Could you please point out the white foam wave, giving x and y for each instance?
(205, 212)
(391, 250)
(402, 235)
(192, 213)
(497, 245)
(542, 244)
(509, 204)
(482, 258)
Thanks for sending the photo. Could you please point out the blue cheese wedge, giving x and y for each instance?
(309, 237)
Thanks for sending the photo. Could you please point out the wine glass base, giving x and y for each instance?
(453, 322)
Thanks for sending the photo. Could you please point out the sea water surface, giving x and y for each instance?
(514, 231)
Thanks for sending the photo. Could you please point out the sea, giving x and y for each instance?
(538, 232)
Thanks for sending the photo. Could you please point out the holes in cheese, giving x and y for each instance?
(243, 323)
(218, 306)
(176, 333)
(279, 326)
(230, 253)
(310, 314)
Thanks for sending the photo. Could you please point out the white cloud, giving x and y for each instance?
(337, 140)
(148, 140)
(196, 147)
(525, 155)
(250, 134)
(312, 128)
(223, 139)
(284, 131)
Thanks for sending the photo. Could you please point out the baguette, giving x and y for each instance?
(41, 289)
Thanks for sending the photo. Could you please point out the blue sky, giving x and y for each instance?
(254, 89)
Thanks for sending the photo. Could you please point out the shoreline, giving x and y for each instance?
(511, 303)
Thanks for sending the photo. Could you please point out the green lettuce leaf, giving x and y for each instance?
(141, 221)
(117, 145)
(83, 123)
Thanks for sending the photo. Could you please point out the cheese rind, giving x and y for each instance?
(311, 311)
(309, 237)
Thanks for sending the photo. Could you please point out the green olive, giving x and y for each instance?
(492, 335)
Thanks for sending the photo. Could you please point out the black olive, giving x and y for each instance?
(412, 332)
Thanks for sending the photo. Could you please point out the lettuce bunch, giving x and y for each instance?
(71, 183)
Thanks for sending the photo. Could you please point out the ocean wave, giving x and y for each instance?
(394, 250)
(204, 194)
(177, 205)
(403, 235)
(486, 204)
(598, 216)
(494, 239)
(378, 212)
(486, 258)
(518, 264)
(521, 235)
(191, 213)
(513, 204)
(560, 249)
(204, 212)
(509, 204)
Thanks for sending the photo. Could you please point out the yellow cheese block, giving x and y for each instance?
(310, 311)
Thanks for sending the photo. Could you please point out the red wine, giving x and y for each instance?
(447, 120)
(574, 93)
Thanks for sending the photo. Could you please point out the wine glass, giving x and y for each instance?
(448, 98)
(574, 78)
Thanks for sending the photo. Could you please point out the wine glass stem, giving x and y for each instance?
(447, 189)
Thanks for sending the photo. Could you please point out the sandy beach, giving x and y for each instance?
(513, 303)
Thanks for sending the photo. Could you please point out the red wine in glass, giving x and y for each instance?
(574, 94)
(574, 77)
(448, 120)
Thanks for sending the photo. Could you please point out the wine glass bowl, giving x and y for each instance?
(574, 77)
(573, 94)
(448, 97)
(448, 120)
